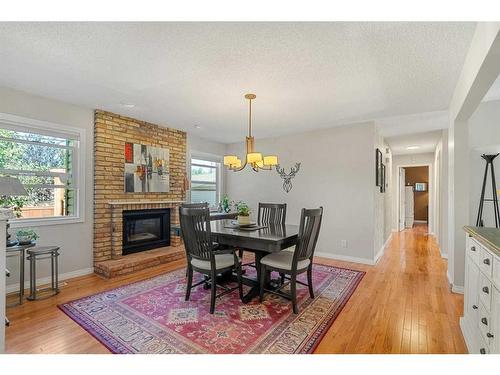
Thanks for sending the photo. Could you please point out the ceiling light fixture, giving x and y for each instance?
(412, 147)
(127, 105)
(252, 158)
(197, 127)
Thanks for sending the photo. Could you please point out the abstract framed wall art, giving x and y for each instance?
(146, 169)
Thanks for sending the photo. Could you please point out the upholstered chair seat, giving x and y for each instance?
(283, 260)
(221, 261)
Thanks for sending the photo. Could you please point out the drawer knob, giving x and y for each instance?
(482, 351)
(473, 248)
(474, 307)
(485, 289)
(484, 321)
(486, 261)
(489, 335)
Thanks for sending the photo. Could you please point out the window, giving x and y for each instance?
(44, 159)
(205, 181)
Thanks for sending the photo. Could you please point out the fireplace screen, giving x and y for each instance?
(145, 230)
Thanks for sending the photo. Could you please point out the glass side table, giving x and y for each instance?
(19, 251)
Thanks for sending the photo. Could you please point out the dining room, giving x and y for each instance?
(224, 188)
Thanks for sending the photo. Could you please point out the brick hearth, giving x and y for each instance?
(139, 261)
(111, 132)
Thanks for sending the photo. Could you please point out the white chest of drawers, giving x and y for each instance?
(481, 321)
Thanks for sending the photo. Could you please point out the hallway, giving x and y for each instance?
(403, 305)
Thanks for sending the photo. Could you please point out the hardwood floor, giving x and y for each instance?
(402, 305)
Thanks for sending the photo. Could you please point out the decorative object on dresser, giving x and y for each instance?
(489, 163)
(481, 321)
(287, 177)
(26, 236)
(146, 169)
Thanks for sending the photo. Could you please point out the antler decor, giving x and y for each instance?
(287, 183)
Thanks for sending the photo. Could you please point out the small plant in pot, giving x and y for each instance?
(243, 213)
(26, 236)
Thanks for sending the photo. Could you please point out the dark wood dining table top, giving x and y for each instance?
(270, 239)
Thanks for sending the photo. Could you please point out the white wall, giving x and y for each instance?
(383, 212)
(337, 172)
(75, 239)
(441, 192)
(480, 70)
(411, 160)
(484, 133)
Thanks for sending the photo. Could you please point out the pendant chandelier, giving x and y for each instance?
(254, 159)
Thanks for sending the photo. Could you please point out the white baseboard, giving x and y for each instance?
(420, 221)
(454, 288)
(457, 289)
(450, 280)
(344, 258)
(382, 249)
(444, 256)
(11, 288)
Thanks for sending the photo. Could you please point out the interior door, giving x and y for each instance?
(401, 199)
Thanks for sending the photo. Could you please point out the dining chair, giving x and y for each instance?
(294, 263)
(204, 256)
(268, 214)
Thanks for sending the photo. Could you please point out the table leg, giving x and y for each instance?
(254, 291)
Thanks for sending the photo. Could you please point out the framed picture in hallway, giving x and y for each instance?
(378, 167)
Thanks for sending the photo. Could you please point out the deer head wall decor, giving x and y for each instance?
(287, 178)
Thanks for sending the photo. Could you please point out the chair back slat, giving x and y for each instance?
(271, 214)
(310, 224)
(195, 228)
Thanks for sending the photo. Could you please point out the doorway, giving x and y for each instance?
(415, 207)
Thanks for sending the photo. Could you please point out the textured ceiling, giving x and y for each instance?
(306, 75)
(426, 142)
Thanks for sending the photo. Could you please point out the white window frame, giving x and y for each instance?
(219, 174)
(24, 124)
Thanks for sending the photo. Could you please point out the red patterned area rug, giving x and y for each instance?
(151, 316)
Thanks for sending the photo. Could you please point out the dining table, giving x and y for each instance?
(259, 239)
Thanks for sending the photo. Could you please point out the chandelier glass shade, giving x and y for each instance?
(254, 159)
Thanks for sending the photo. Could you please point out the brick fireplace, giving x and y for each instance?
(111, 132)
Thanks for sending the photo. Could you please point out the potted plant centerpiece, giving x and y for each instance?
(26, 236)
(243, 213)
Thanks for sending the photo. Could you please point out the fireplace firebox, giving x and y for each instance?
(145, 230)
